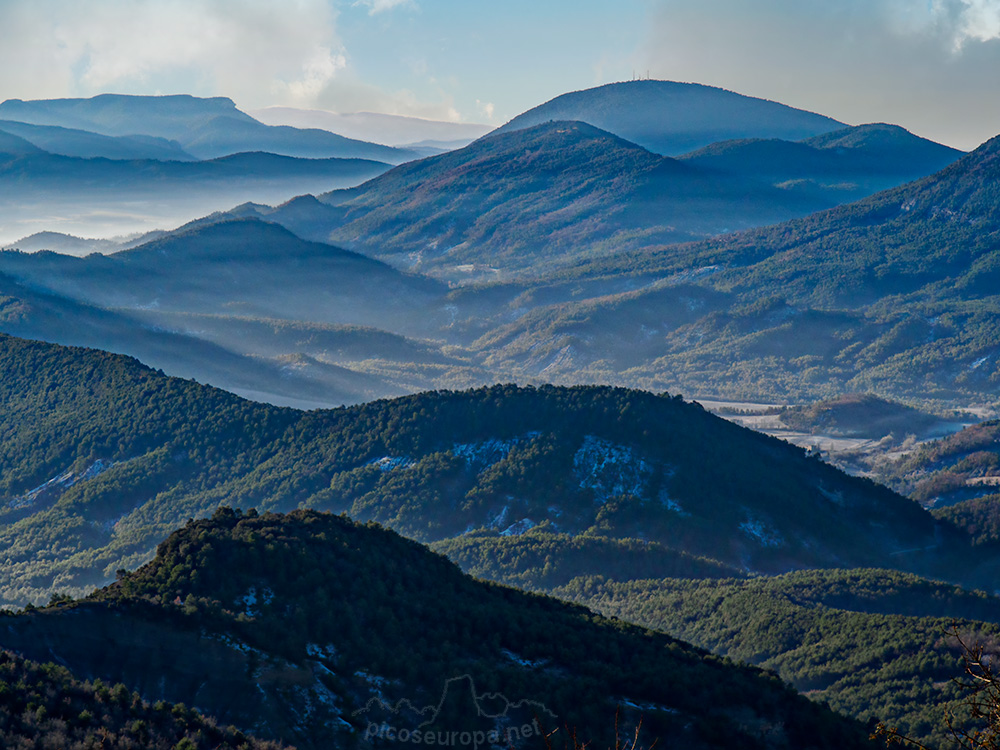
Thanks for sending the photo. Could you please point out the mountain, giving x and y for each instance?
(673, 118)
(242, 266)
(926, 238)
(524, 201)
(392, 130)
(205, 128)
(105, 456)
(12, 146)
(110, 197)
(848, 164)
(316, 630)
(87, 145)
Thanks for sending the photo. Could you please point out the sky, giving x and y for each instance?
(932, 66)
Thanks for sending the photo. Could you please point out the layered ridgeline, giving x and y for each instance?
(893, 294)
(244, 267)
(202, 128)
(87, 145)
(115, 165)
(245, 306)
(523, 201)
(868, 643)
(321, 632)
(845, 165)
(185, 347)
(674, 118)
(103, 457)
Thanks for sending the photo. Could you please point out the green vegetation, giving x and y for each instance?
(858, 414)
(43, 706)
(869, 643)
(146, 452)
(957, 475)
(359, 593)
(540, 560)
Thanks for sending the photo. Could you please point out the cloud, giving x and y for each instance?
(380, 6)
(252, 50)
(486, 109)
(929, 65)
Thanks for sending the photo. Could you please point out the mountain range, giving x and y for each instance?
(203, 128)
(391, 130)
(584, 462)
(560, 490)
(269, 566)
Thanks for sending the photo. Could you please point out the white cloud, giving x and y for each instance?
(380, 6)
(251, 50)
(486, 109)
(929, 65)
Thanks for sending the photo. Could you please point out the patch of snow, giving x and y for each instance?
(761, 533)
(610, 469)
(524, 662)
(837, 498)
(500, 519)
(979, 362)
(327, 652)
(61, 482)
(250, 600)
(648, 706)
(388, 463)
(670, 504)
(521, 527)
(488, 452)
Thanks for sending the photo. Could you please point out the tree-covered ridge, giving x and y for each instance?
(871, 644)
(361, 600)
(545, 197)
(44, 706)
(540, 560)
(859, 414)
(133, 453)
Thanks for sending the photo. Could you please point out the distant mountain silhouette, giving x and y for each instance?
(87, 145)
(846, 165)
(205, 128)
(392, 130)
(673, 118)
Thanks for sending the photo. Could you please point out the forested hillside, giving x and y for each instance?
(868, 643)
(103, 457)
(360, 619)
